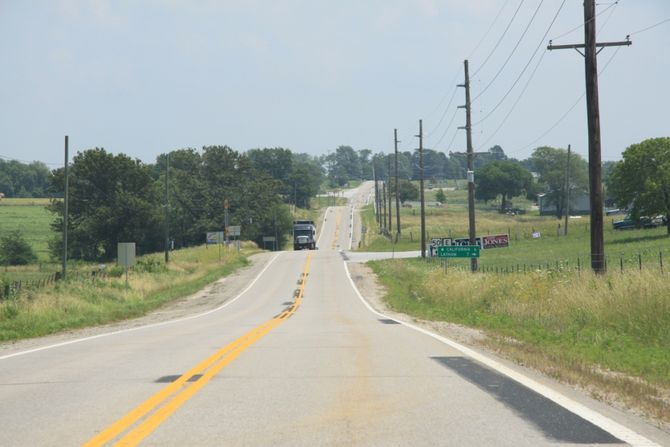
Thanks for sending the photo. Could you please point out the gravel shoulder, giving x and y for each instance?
(208, 298)
(374, 293)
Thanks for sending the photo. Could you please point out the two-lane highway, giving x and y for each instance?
(296, 359)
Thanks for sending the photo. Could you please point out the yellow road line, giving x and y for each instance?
(180, 391)
(337, 228)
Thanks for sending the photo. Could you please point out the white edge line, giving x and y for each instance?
(351, 227)
(614, 428)
(163, 323)
(323, 225)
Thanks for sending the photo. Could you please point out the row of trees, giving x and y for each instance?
(345, 164)
(115, 198)
(24, 180)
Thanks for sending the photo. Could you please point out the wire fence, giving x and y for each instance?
(618, 264)
(13, 288)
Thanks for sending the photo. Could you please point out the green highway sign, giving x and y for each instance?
(458, 251)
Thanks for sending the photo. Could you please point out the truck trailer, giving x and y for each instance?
(304, 235)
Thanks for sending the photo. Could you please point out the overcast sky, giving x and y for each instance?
(144, 77)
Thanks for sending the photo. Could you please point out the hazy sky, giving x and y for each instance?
(145, 76)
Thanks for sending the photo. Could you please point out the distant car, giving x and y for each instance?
(660, 220)
(629, 223)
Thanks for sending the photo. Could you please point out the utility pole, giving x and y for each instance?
(590, 54)
(567, 194)
(471, 163)
(423, 202)
(384, 206)
(397, 191)
(66, 206)
(390, 203)
(377, 214)
(167, 209)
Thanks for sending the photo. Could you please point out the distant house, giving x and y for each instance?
(580, 205)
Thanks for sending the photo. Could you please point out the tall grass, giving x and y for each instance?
(75, 304)
(616, 322)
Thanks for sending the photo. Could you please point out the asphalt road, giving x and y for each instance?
(297, 359)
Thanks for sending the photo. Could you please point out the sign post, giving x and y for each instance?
(235, 230)
(126, 256)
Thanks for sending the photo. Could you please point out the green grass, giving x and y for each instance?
(452, 221)
(31, 217)
(80, 303)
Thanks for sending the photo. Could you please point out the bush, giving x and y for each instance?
(116, 271)
(15, 250)
(440, 196)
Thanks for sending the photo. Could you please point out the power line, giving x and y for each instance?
(500, 39)
(511, 53)
(525, 67)
(443, 97)
(447, 128)
(581, 25)
(5, 157)
(495, 20)
(530, 78)
(650, 27)
(560, 120)
(446, 109)
(525, 87)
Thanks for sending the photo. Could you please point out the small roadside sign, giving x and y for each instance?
(126, 253)
(458, 251)
(215, 237)
(234, 230)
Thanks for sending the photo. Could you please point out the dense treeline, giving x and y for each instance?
(114, 198)
(24, 180)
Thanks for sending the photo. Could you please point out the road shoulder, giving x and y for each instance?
(206, 299)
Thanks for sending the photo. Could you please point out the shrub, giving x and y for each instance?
(15, 250)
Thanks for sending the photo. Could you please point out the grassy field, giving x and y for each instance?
(551, 247)
(31, 217)
(79, 303)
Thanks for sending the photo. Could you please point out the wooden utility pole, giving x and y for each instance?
(567, 194)
(390, 202)
(590, 54)
(397, 191)
(471, 163)
(66, 204)
(421, 195)
(167, 209)
(374, 175)
(384, 206)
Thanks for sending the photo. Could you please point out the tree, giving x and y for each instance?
(440, 196)
(550, 164)
(200, 183)
(15, 250)
(642, 178)
(505, 178)
(113, 198)
(343, 165)
(24, 180)
(407, 190)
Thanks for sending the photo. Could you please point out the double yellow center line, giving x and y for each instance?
(338, 220)
(146, 417)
